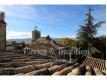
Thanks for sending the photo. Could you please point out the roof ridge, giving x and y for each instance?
(95, 58)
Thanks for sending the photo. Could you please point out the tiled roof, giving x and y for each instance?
(18, 64)
(95, 63)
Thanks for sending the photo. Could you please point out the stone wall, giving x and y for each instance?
(35, 35)
(2, 33)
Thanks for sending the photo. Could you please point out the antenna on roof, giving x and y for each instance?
(36, 27)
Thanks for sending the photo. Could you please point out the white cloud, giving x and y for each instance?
(1, 8)
(18, 35)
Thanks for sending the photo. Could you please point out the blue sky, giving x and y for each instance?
(54, 20)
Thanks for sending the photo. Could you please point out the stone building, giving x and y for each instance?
(38, 40)
(35, 34)
(2, 32)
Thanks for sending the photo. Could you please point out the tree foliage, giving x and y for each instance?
(67, 42)
(100, 44)
(87, 33)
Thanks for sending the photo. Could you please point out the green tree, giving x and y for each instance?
(23, 44)
(87, 32)
(100, 40)
(67, 42)
(48, 37)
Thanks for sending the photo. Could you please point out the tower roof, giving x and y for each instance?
(2, 16)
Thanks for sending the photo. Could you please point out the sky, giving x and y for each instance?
(54, 20)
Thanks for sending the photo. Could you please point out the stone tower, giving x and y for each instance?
(35, 34)
(2, 32)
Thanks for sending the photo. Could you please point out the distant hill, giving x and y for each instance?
(20, 40)
(28, 40)
(56, 39)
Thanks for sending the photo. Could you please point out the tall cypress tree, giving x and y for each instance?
(87, 32)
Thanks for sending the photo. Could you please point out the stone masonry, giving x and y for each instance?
(2, 32)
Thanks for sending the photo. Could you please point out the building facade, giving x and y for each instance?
(35, 35)
(2, 32)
